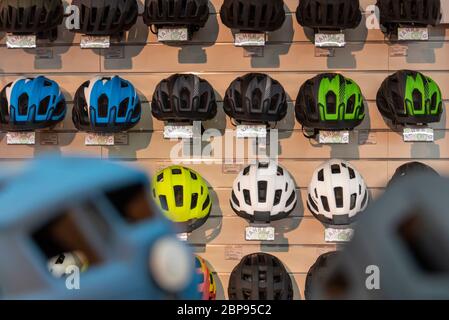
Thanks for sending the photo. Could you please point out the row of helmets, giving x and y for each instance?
(265, 191)
(328, 101)
(110, 17)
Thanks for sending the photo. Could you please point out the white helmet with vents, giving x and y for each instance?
(337, 193)
(264, 191)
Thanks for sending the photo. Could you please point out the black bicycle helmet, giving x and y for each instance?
(329, 14)
(260, 276)
(253, 15)
(330, 101)
(160, 13)
(318, 272)
(184, 97)
(255, 97)
(411, 168)
(40, 17)
(106, 17)
(400, 249)
(394, 13)
(409, 97)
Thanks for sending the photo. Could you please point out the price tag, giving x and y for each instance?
(121, 138)
(251, 131)
(99, 139)
(173, 34)
(324, 52)
(414, 34)
(333, 137)
(25, 138)
(326, 40)
(418, 135)
(250, 39)
(260, 233)
(14, 41)
(233, 252)
(338, 235)
(182, 236)
(173, 131)
(94, 42)
(49, 139)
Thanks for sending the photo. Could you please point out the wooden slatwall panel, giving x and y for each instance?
(289, 57)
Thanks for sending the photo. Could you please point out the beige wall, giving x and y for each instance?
(289, 57)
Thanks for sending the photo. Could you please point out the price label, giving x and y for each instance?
(413, 34)
(49, 139)
(333, 137)
(173, 131)
(338, 235)
(326, 40)
(260, 233)
(14, 41)
(95, 42)
(173, 34)
(99, 139)
(418, 135)
(250, 39)
(183, 236)
(251, 131)
(19, 138)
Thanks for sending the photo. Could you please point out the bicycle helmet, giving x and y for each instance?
(337, 193)
(105, 104)
(319, 270)
(403, 238)
(329, 14)
(30, 104)
(409, 97)
(41, 17)
(411, 168)
(253, 15)
(106, 17)
(264, 191)
(394, 13)
(183, 196)
(184, 97)
(255, 97)
(260, 276)
(206, 286)
(192, 13)
(329, 101)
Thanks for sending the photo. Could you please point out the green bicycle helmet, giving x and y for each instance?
(409, 97)
(183, 196)
(329, 101)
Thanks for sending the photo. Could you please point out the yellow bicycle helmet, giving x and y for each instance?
(206, 286)
(183, 196)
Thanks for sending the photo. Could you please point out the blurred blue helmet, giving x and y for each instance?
(30, 104)
(105, 104)
(87, 229)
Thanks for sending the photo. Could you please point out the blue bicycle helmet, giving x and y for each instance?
(105, 104)
(30, 104)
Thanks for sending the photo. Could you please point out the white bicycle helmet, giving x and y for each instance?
(337, 193)
(263, 192)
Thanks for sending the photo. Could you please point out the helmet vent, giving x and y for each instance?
(179, 195)
(262, 191)
(47, 83)
(338, 192)
(291, 199)
(160, 177)
(103, 102)
(23, 104)
(321, 175)
(351, 173)
(331, 103)
(351, 104)
(246, 171)
(247, 197)
(417, 100)
(206, 202)
(123, 108)
(163, 201)
(353, 200)
(194, 201)
(335, 169)
(193, 175)
(277, 197)
(325, 203)
(43, 106)
(263, 165)
(176, 171)
(280, 171)
(312, 203)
